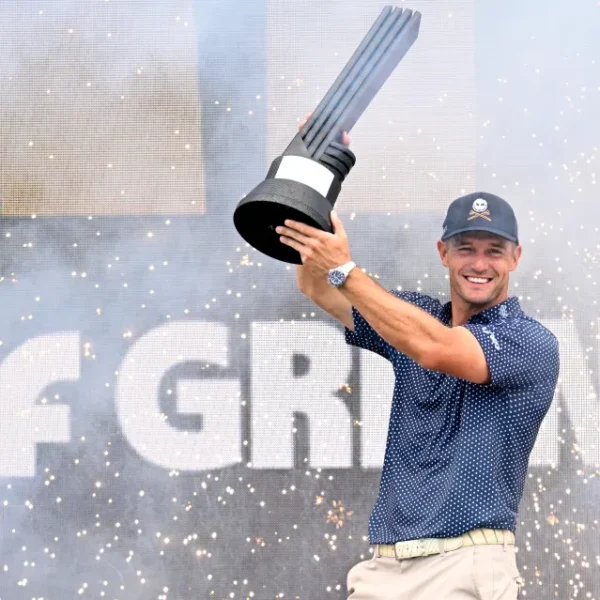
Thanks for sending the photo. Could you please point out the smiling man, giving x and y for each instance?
(474, 379)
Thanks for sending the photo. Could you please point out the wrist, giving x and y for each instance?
(338, 275)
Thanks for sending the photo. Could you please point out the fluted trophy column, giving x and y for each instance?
(304, 183)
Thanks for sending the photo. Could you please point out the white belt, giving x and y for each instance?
(427, 546)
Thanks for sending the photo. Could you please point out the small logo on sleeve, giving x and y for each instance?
(493, 339)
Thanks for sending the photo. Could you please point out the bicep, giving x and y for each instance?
(509, 354)
(459, 355)
(518, 353)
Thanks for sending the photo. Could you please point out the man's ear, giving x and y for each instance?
(443, 250)
(517, 252)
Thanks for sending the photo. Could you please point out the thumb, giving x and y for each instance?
(338, 226)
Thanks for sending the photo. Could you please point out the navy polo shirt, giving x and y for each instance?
(457, 452)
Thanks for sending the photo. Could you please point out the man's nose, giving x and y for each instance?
(480, 264)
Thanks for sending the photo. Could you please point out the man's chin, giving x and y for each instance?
(478, 299)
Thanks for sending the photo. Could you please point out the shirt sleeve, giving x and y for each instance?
(518, 353)
(364, 336)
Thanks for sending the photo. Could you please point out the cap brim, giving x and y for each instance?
(502, 234)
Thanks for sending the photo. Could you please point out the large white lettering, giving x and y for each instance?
(277, 394)
(295, 369)
(218, 443)
(376, 392)
(576, 392)
(24, 375)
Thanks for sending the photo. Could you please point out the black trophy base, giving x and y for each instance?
(269, 204)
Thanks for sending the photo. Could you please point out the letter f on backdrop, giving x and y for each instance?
(24, 375)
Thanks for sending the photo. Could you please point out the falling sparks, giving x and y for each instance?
(338, 514)
(346, 388)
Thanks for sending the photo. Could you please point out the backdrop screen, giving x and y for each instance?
(177, 421)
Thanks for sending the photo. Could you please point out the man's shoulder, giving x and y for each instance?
(535, 325)
(526, 325)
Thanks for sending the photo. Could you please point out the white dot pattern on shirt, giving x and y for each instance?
(457, 452)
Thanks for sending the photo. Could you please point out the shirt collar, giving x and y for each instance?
(503, 310)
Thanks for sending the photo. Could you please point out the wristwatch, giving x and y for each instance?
(337, 276)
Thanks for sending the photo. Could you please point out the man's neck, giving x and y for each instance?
(462, 311)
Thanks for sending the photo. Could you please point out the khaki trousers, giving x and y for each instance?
(469, 573)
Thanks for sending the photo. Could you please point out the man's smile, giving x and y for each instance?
(477, 281)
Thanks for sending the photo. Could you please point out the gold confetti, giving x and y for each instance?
(338, 514)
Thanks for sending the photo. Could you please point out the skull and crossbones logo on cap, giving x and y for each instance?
(479, 209)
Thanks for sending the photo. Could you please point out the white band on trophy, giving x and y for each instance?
(306, 171)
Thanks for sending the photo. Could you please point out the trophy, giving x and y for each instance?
(304, 182)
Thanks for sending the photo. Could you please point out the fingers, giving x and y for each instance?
(306, 230)
(295, 245)
(303, 123)
(294, 235)
(338, 226)
(345, 139)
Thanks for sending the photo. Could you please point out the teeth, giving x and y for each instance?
(477, 279)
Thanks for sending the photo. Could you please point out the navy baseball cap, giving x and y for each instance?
(481, 211)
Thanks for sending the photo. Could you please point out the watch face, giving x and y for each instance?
(337, 278)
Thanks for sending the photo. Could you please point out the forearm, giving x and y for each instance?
(406, 327)
(324, 296)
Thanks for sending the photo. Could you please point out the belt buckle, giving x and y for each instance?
(410, 549)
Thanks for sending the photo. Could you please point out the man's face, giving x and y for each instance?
(479, 264)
